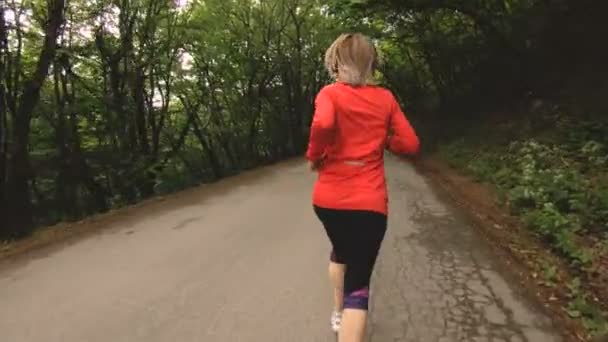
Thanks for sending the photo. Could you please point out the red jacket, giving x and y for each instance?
(349, 133)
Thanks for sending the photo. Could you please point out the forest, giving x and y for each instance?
(104, 103)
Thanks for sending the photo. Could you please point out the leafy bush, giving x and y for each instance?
(556, 188)
(580, 306)
(558, 185)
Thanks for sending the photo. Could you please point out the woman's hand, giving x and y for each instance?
(315, 165)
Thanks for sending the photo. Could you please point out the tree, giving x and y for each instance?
(149, 96)
(17, 202)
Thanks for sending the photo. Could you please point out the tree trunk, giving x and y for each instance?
(81, 168)
(66, 186)
(224, 140)
(148, 179)
(298, 139)
(138, 85)
(216, 168)
(17, 197)
(3, 143)
(3, 106)
(289, 96)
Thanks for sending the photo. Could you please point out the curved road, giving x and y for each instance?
(245, 260)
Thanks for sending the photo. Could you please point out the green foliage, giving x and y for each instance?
(147, 97)
(557, 185)
(174, 178)
(133, 85)
(550, 275)
(559, 230)
(548, 184)
(580, 306)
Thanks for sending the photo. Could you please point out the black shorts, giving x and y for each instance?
(356, 237)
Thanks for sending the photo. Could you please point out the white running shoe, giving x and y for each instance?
(336, 319)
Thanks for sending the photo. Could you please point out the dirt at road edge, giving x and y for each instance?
(523, 252)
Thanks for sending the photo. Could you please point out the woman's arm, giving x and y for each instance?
(403, 138)
(322, 127)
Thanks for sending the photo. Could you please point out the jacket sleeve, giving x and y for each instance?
(323, 126)
(402, 138)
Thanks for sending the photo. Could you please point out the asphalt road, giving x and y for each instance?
(245, 260)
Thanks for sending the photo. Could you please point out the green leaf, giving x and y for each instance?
(573, 313)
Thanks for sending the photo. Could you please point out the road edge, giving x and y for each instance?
(65, 233)
(517, 247)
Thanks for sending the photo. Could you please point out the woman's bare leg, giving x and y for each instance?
(336, 275)
(354, 322)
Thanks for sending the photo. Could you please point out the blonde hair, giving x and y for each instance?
(352, 59)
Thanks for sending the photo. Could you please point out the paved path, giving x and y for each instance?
(245, 260)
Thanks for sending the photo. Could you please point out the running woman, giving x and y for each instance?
(354, 122)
